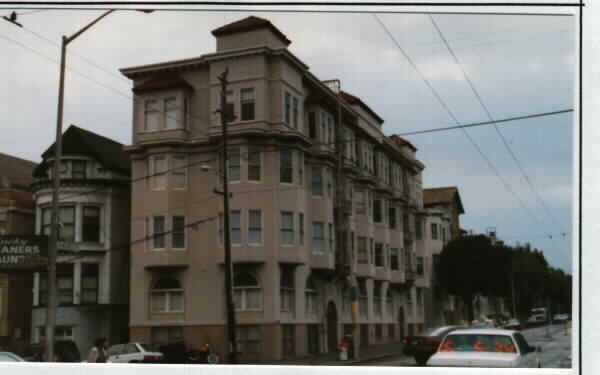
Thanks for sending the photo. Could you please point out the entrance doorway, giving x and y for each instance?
(332, 327)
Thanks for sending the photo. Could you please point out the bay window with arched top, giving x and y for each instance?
(247, 293)
(167, 296)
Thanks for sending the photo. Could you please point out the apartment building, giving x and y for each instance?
(17, 216)
(441, 224)
(289, 299)
(92, 263)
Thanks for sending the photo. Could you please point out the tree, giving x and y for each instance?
(472, 265)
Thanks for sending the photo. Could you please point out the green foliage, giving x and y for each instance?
(471, 265)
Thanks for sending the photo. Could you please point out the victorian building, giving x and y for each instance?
(93, 249)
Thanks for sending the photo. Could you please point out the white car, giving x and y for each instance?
(10, 357)
(132, 353)
(485, 348)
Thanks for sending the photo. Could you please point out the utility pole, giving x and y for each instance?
(230, 329)
(54, 224)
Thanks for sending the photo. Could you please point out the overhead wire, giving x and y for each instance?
(451, 114)
(491, 118)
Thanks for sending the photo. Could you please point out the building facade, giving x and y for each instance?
(92, 263)
(441, 224)
(289, 299)
(17, 217)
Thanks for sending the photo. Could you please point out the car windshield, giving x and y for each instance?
(145, 347)
(5, 357)
(478, 343)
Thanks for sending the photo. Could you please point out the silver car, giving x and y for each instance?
(133, 352)
(10, 357)
(485, 348)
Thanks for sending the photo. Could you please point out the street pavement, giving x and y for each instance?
(554, 341)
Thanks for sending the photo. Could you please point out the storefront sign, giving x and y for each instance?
(23, 252)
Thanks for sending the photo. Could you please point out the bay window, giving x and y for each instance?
(247, 103)
(287, 228)
(91, 224)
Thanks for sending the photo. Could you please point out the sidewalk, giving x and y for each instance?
(371, 353)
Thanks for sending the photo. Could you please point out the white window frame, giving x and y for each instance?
(168, 293)
(185, 232)
(250, 229)
(254, 150)
(321, 249)
(283, 230)
(154, 175)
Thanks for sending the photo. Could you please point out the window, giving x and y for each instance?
(78, 169)
(91, 224)
(158, 171)
(152, 115)
(89, 283)
(434, 233)
(311, 296)
(167, 296)
(295, 112)
(286, 169)
(312, 125)
(254, 226)
(287, 228)
(394, 259)
(67, 224)
(392, 217)
(247, 104)
(158, 229)
(247, 294)
(372, 251)
(300, 168)
(171, 113)
(317, 180)
(287, 289)
(234, 157)
(236, 227)
(318, 237)
(389, 303)
(443, 235)
(330, 182)
(363, 256)
(331, 238)
(47, 221)
(178, 232)
(179, 171)
(379, 255)
(419, 229)
(363, 297)
(288, 107)
(301, 228)
(377, 210)
(64, 283)
(420, 269)
(248, 339)
(359, 202)
(254, 164)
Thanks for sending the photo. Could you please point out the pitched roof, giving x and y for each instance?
(402, 142)
(442, 195)
(16, 171)
(247, 24)
(78, 141)
(164, 82)
(351, 99)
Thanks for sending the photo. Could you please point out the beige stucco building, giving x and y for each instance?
(289, 300)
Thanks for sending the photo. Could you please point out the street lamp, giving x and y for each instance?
(52, 251)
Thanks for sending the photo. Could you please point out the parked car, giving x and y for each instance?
(561, 318)
(422, 346)
(133, 352)
(10, 357)
(513, 324)
(485, 348)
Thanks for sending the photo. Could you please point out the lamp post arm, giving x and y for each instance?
(74, 36)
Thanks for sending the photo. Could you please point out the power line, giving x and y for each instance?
(490, 117)
(443, 103)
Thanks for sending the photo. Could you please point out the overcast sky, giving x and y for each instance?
(519, 65)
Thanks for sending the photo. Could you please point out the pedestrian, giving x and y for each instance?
(98, 352)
